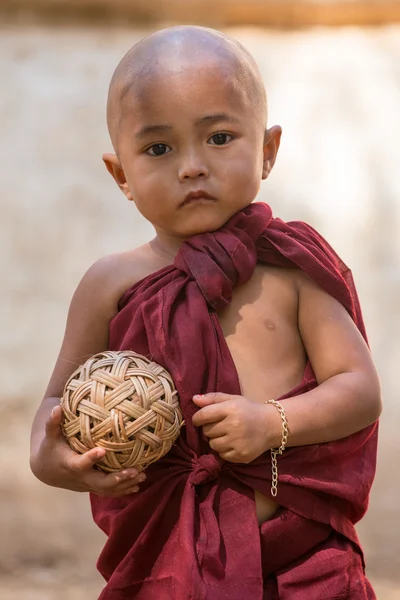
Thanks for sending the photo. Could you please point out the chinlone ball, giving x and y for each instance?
(125, 403)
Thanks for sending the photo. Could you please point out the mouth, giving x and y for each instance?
(196, 196)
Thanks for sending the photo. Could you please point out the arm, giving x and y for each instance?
(348, 397)
(346, 400)
(52, 460)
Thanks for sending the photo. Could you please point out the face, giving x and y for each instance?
(192, 150)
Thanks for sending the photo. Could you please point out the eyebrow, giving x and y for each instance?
(151, 129)
(209, 119)
(217, 118)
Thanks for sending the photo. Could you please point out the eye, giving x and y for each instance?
(158, 150)
(220, 139)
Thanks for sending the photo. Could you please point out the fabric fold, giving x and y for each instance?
(193, 523)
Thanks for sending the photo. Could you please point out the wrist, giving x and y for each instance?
(273, 426)
(278, 449)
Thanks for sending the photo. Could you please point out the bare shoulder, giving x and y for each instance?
(93, 305)
(308, 290)
(110, 276)
(331, 338)
(315, 299)
(316, 305)
(287, 283)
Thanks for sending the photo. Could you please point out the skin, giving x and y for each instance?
(195, 120)
(233, 109)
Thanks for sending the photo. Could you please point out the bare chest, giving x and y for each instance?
(261, 331)
(260, 328)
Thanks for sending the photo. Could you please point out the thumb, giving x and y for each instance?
(53, 423)
(82, 462)
(211, 398)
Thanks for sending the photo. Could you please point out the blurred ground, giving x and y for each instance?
(337, 95)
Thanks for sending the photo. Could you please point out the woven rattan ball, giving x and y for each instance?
(123, 402)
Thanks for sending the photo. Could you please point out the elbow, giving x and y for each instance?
(373, 400)
(377, 408)
(375, 411)
(365, 391)
(36, 470)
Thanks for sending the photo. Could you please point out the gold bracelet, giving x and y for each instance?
(276, 451)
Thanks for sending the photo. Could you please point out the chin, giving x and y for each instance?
(207, 223)
(205, 227)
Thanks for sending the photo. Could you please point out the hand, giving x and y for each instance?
(58, 465)
(237, 428)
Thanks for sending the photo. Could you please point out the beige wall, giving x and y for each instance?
(337, 95)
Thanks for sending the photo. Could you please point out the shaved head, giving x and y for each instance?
(173, 50)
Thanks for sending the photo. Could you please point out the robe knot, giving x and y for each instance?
(206, 468)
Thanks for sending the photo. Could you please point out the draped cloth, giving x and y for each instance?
(191, 532)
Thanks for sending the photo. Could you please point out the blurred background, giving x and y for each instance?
(332, 71)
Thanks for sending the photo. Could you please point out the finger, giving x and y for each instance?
(215, 430)
(229, 456)
(132, 490)
(115, 492)
(210, 414)
(85, 461)
(121, 479)
(125, 479)
(53, 423)
(121, 493)
(211, 398)
(220, 444)
(114, 484)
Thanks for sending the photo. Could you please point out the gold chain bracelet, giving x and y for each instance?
(276, 451)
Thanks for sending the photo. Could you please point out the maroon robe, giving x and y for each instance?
(192, 532)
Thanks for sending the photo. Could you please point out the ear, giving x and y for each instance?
(272, 140)
(115, 169)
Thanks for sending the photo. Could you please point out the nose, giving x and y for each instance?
(192, 166)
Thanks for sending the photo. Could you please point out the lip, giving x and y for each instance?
(196, 195)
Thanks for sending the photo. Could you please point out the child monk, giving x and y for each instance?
(259, 324)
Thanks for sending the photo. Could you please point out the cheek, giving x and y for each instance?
(246, 160)
(243, 174)
(148, 191)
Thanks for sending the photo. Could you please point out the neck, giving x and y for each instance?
(166, 246)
